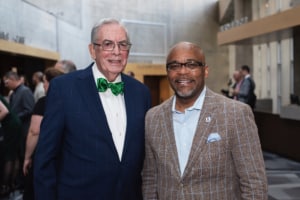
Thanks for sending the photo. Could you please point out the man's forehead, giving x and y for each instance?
(110, 29)
(185, 54)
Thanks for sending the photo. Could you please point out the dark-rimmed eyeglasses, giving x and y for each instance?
(108, 45)
(190, 65)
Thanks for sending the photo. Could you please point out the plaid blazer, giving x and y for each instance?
(229, 168)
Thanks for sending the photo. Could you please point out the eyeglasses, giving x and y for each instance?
(108, 45)
(190, 65)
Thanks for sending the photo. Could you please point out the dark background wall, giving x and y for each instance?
(278, 135)
(297, 60)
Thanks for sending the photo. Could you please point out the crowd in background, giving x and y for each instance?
(19, 111)
(242, 87)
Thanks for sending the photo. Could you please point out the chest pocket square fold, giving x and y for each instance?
(213, 137)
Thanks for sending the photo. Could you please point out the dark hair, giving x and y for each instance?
(51, 73)
(246, 68)
(131, 73)
(12, 75)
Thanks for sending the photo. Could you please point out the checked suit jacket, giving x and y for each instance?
(228, 168)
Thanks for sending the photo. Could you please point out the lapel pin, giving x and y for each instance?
(207, 119)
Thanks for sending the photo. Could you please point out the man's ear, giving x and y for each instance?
(92, 51)
(206, 71)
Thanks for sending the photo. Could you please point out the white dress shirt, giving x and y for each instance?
(114, 107)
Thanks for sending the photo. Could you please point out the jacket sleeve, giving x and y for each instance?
(27, 104)
(248, 158)
(149, 172)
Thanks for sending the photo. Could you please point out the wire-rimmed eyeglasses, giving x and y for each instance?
(108, 45)
(190, 65)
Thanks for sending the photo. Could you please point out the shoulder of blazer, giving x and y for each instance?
(75, 75)
(83, 73)
(132, 81)
(165, 106)
(217, 100)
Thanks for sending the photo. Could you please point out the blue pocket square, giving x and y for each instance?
(213, 137)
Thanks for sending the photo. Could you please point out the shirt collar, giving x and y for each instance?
(247, 76)
(97, 74)
(198, 103)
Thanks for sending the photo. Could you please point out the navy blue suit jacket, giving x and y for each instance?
(76, 157)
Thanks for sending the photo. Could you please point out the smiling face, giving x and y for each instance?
(187, 83)
(110, 62)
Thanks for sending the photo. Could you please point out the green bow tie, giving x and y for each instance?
(116, 88)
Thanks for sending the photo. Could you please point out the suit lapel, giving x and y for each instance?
(168, 128)
(205, 123)
(87, 87)
(129, 92)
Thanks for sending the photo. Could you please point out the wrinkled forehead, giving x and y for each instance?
(114, 32)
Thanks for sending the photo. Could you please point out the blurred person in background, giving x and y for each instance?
(21, 102)
(66, 66)
(37, 81)
(238, 79)
(246, 91)
(34, 131)
(11, 129)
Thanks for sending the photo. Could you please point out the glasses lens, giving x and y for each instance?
(192, 65)
(108, 45)
(124, 46)
(174, 66)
